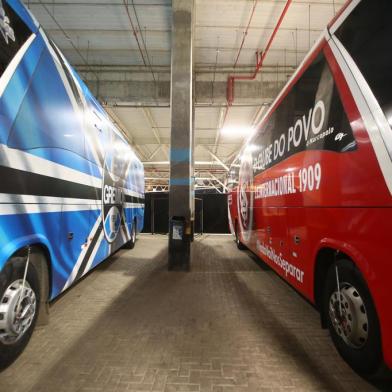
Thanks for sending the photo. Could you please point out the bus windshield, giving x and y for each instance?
(366, 34)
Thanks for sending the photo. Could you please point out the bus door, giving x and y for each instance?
(298, 241)
(274, 226)
(77, 236)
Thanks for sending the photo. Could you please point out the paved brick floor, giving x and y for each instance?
(229, 325)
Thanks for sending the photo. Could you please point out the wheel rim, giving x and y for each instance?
(17, 310)
(348, 316)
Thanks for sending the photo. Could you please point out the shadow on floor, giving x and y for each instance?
(228, 325)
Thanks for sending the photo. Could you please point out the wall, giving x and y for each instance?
(210, 210)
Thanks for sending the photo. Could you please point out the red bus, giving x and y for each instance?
(310, 191)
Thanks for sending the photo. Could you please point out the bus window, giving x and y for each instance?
(121, 156)
(46, 117)
(13, 34)
(315, 86)
(68, 74)
(366, 34)
(312, 116)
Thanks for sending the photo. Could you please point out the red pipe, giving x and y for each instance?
(259, 63)
(230, 86)
(245, 33)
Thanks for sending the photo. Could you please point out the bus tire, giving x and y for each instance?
(353, 322)
(238, 242)
(14, 335)
(131, 243)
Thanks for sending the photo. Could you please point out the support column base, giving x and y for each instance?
(179, 255)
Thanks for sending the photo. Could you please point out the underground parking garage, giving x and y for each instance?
(195, 195)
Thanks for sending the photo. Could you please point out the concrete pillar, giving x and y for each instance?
(181, 191)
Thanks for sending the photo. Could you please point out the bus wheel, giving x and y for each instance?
(19, 306)
(240, 245)
(131, 243)
(352, 318)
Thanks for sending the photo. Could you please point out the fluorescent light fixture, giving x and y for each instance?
(252, 148)
(236, 131)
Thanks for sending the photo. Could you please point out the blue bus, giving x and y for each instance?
(71, 187)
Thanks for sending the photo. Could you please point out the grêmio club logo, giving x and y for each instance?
(112, 195)
(112, 204)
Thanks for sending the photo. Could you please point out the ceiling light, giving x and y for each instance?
(236, 131)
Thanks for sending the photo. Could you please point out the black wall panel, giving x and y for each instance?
(215, 213)
(210, 213)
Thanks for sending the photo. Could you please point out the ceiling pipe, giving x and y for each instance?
(144, 42)
(259, 60)
(134, 32)
(231, 94)
(245, 33)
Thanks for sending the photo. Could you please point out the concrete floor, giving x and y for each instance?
(229, 325)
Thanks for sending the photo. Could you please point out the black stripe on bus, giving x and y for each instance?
(20, 182)
(89, 252)
(134, 199)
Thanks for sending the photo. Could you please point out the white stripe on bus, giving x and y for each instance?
(353, 78)
(342, 17)
(21, 160)
(79, 261)
(39, 208)
(33, 199)
(378, 114)
(127, 234)
(94, 253)
(17, 209)
(133, 205)
(10, 70)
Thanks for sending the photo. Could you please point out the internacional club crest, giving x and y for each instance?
(245, 195)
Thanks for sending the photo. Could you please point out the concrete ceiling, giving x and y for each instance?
(134, 84)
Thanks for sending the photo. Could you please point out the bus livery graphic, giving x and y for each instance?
(310, 192)
(72, 189)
